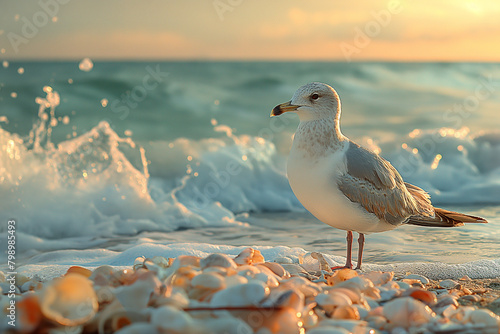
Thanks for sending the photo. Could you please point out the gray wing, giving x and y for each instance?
(376, 185)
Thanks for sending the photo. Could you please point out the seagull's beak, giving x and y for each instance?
(284, 107)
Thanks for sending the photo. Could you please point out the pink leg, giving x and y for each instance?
(348, 263)
(361, 243)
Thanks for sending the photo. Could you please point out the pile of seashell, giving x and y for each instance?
(245, 294)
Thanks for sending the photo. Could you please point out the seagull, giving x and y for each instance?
(345, 185)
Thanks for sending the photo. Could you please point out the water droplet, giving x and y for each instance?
(213, 121)
(244, 158)
(65, 119)
(13, 95)
(189, 158)
(128, 133)
(86, 65)
(16, 17)
(20, 70)
(55, 19)
(104, 102)
(70, 81)
(5, 63)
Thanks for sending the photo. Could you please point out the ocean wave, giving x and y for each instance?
(101, 184)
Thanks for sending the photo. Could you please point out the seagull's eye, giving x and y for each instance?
(314, 96)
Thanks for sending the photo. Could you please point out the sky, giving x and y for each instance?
(393, 30)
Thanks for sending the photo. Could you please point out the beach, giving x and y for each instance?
(99, 170)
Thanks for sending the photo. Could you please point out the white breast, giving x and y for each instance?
(313, 181)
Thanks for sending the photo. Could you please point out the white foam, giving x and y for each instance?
(55, 263)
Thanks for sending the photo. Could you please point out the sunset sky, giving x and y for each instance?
(413, 30)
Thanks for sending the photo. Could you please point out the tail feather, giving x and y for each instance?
(444, 218)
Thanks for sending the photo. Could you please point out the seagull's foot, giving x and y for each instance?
(347, 266)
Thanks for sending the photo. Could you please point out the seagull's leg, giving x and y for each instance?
(348, 263)
(361, 243)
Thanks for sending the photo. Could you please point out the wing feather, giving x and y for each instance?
(376, 185)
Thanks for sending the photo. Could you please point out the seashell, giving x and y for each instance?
(387, 294)
(403, 285)
(341, 275)
(328, 330)
(447, 310)
(424, 296)
(249, 294)
(276, 268)
(249, 256)
(248, 271)
(303, 285)
(219, 270)
(346, 312)
(287, 298)
(445, 300)
(371, 303)
(465, 278)
(235, 280)
(352, 326)
(182, 277)
(424, 280)
(283, 260)
(69, 300)
(210, 281)
(115, 317)
(171, 319)
(330, 301)
(293, 269)
(217, 260)
(448, 284)
(29, 313)
(359, 284)
(407, 312)
(270, 280)
(21, 279)
(2, 277)
(376, 322)
(391, 285)
(138, 328)
(79, 270)
(362, 310)
(378, 277)
(280, 322)
(462, 314)
(104, 276)
(176, 297)
(356, 298)
(487, 318)
(470, 298)
(466, 291)
(185, 261)
(32, 285)
(137, 295)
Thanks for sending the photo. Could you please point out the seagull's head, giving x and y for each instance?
(315, 100)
